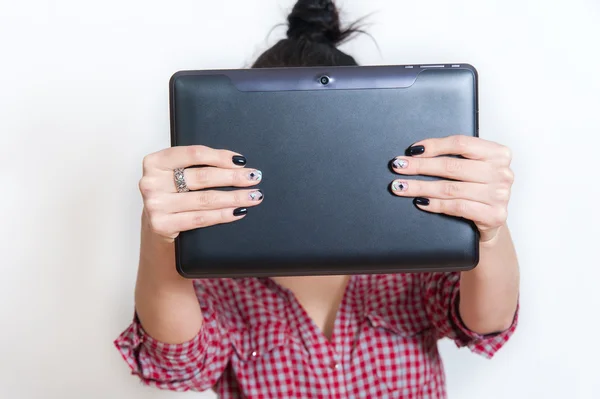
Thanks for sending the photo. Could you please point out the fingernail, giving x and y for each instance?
(256, 195)
(255, 175)
(421, 201)
(240, 212)
(239, 160)
(400, 163)
(399, 186)
(415, 150)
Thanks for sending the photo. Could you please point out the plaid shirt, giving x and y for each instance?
(258, 342)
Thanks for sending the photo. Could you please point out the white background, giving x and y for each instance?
(83, 97)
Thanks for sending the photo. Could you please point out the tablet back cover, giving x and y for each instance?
(324, 152)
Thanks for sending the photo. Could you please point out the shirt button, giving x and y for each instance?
(254, 354)
(334, 365)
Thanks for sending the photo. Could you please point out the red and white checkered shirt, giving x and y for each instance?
(258, 342)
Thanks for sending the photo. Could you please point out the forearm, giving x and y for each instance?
(166, 303)
(489, 293)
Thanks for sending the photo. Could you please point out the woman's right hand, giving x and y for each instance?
(169, 212)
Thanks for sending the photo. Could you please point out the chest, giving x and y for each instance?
(378, 345)
(319, 297)
(367, 354)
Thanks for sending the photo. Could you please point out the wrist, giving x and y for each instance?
(489, 239)
(157, 266)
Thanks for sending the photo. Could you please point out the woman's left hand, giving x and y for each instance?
(480, 185)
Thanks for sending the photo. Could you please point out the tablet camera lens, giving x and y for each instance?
(324, 80)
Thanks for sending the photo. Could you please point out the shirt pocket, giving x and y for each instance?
(263, 362)
(395, 355)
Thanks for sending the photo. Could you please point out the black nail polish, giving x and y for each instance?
(240, 212)
(421, 201)
(415, 150)
(239, 160)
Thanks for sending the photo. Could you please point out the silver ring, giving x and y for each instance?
(180, 181)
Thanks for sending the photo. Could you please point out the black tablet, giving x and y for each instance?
(323, 138)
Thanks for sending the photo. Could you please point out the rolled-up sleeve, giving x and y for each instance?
(194, 365)
(441, 293)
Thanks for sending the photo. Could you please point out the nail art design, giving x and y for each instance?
(240, 212)
(415, 150)
(256, 195)
(400, 186)
(400, 163)
(255, 175)
(421, 201)
(239, 160)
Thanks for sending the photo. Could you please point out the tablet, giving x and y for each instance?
(324, 138)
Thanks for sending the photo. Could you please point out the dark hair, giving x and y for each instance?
(314, 32)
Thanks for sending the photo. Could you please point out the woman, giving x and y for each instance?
(372, 336)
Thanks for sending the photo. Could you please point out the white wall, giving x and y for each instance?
(83, 97)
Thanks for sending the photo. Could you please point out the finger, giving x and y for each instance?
(466, 146)
(482, 214)
(448, 167)
(172, 224)
(206, 200)
(210, 177)
(444, 189)
(194, 155)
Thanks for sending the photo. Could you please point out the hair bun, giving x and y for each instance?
(316, 20)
